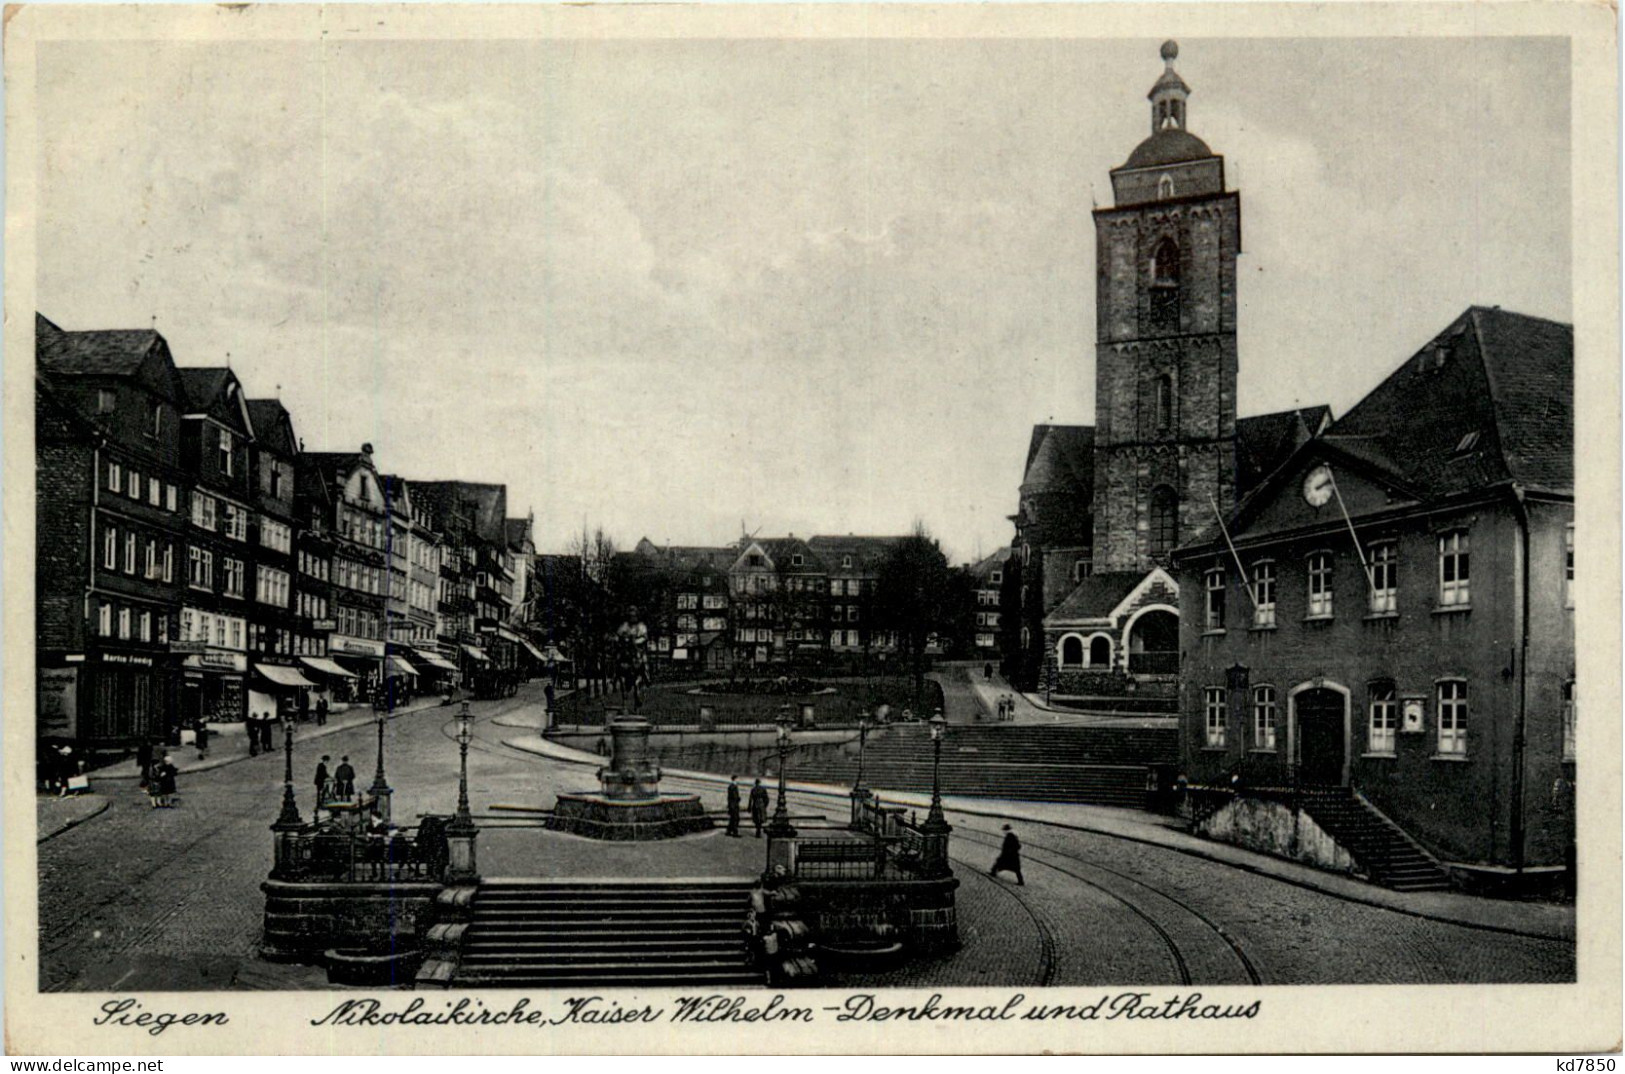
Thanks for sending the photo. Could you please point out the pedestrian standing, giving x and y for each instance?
(322, 777)
(268, 733)
(165, 776)
(987, 671)
(733, 806)
(344, 780)
(143, 759)
(321, 711)
(758, 806)
(1009, 859)
(202, 738)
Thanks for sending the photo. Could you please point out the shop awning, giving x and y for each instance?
(477, 653)
(282, 676)
(508, 635)
(325, 666)
(396, 665)
(434, 659)
(535, 652)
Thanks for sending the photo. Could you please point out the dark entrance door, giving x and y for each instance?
(1320, 737)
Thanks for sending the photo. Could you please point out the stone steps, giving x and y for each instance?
(658, 933)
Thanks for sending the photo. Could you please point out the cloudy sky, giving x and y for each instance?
(671, 288)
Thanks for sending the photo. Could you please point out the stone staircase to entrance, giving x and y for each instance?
(675, 933)
(1095, 765)
(1391, 857)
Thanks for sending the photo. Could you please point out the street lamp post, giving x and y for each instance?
(780, 824)
(461, 831)
(381, 794)
(288, 823)
(936, 828)
(860, 793)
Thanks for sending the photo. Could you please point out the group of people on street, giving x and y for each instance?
(758, 806)
(337, 785)
(1006, 708)
(58, 766)
(158, 777)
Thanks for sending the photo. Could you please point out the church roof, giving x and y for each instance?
(1097, 595)
(1061, 458)
(1172, 146)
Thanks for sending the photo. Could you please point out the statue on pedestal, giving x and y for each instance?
(632, 658)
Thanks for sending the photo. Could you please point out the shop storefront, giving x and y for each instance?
(278, 688)
(104, 698)
(330, 682)
(212, 687)
(437, 672)
(364, 658)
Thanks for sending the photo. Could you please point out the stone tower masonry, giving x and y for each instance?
(1165, 352)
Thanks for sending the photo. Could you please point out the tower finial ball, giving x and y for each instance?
(1170, 51)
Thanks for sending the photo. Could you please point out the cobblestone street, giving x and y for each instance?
(181, 907)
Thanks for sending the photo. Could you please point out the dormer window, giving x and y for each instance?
(225, 452)
(795, 559)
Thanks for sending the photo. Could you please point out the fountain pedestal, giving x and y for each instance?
(629, 804)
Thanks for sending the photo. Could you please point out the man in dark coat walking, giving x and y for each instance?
(344, 780)
(733, 806)
(321, 781)
(1009, 860)
(758, 806)
(321, 711)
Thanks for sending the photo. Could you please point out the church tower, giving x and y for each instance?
(1165, 351)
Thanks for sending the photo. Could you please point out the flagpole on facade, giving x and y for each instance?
(1245, 583)
(1370, 582)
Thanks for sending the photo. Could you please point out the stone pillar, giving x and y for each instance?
(632, 774)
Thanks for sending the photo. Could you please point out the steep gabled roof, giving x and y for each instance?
(273, 426)
(1060, 458)
(486, 505)
(216, 390)
(1097, 595)
(985, 566)
(1489, 399)
(118, 353)
(1265, 441)
(782, 550)
(866, 552)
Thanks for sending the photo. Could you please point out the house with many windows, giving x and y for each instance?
(112, 533)
(217, 438)
(989, 577)
(1391, 613)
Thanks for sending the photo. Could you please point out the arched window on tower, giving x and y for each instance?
(1165, 403)
(1165, 187)
(1164, 521)
(1165, 286)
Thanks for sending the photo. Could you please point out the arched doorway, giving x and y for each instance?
(1320, 716)
(1153, 642)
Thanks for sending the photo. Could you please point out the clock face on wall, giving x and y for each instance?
(1317, 486)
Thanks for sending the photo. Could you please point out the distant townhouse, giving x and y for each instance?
(216, 442)
(853, 565)
(276, 681)
(476, 570)
(358, 584)
(111, 535)
(1393, 611)
(988, 575)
